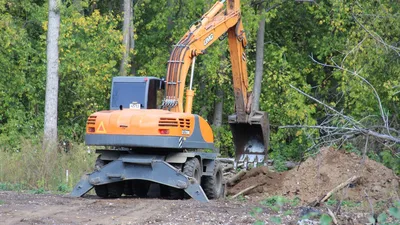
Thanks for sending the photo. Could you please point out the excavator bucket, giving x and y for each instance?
(251, 139)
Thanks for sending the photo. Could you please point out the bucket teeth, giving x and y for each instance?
(251, 138)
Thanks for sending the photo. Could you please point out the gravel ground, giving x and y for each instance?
(27, 208)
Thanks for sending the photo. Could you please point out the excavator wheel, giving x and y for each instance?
(164, 191)
(101, 190)
(212, 185)
(128, 190)
(115, 190)
(141, 187)
(191, 168)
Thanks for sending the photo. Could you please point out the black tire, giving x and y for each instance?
(213, 185)
(101, 191)
(99, 164)
(115, 190)
(175, 193)
(141, 188)
(128, 190)
(164, 191)
(193, 169)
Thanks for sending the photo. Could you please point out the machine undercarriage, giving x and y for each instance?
(175, 175)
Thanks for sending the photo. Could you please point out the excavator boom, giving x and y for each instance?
(250, 129)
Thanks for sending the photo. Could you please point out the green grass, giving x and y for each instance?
(6, 186)
(40, 170)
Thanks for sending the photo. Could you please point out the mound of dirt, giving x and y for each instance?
(317, 176)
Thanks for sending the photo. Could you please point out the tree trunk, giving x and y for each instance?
(51, 102)
(132, 39)
(126, 33)
(259, 63)
(218, 109)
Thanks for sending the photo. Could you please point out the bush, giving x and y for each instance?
(42, 169)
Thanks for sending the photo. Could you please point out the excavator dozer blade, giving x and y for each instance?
(251, 139)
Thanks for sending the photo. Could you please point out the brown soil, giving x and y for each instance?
(24, 208)
(317, 176)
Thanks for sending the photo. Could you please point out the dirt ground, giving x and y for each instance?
(26, 208)
(315, 177)
(318, 175)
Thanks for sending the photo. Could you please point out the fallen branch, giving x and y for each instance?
(339, 187)
(334, 220)
(235, 178)
(245, 191)
(227, 168)
(226, 160)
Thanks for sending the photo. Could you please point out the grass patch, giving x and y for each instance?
(6, 186)
(40, 170)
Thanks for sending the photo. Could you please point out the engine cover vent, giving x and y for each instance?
(168, 122)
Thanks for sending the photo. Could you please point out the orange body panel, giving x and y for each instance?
(206, 131)
(146, 122)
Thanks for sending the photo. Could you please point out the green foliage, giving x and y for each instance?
(63, 188)
(277, 203)
(40, 169)
(391, 161)
(276, 220)
(6, 186)
(310, 215)
(325, 220)
(255, 211)
(385, 219)
(395, 211)
(38, 191)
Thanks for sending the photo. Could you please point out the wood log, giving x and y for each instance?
(245, 191)
(226, 160)
(339, 187)
(227, 168)
(236, 178)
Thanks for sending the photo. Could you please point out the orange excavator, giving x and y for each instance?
(152, 143)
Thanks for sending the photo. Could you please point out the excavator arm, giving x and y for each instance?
(212, 25)
(250, 129)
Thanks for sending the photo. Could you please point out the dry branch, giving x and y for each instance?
(339, 187)
(227, 168)
(236, 178)
(245, 191)
(226, 160)
(334, 220)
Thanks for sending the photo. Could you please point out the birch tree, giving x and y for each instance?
(126, 38)
(50, 117)
(259, 62)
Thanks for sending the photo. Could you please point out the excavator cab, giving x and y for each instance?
(136, 92)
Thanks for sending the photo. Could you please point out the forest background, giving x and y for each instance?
(331, 71)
